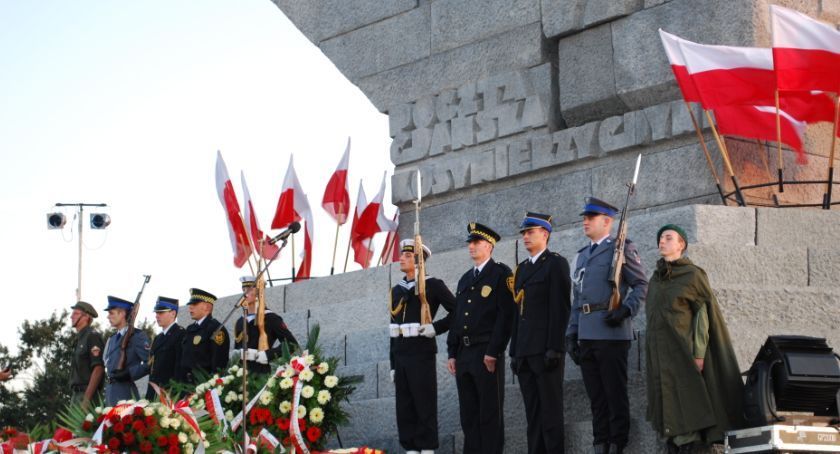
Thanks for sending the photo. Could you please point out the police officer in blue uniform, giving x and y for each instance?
(120, 383)
(166, 346)
(276, 331)
(205, 345)
(598, 339)
(477, 341)
(541, 289)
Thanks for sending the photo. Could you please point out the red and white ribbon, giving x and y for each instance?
(298, 365)
(237, 420)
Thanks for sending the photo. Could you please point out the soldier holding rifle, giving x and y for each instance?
(272, 327)
(126, 352)
(609, 289)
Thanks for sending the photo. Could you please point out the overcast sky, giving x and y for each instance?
(126, 103)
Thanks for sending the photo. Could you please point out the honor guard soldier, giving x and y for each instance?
(477, 341)
(413, 350)
(205, 346)
(166, 346)
(86, 367)
(120, 384)
(275, 329)
(541, 289)
(599, 339)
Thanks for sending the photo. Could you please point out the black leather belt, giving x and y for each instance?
(587, 308)
(468, 341)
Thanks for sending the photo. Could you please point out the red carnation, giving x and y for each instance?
(115, 418)
(313, 434)
(138, 426)
(86, 426)
(146, 446)
(119, 428)
(219, 381)
(114, 444)
(162, 441)
(126, 420)
(10, 432)
(283, 424)
(128, 438)
(138, 411)
(173, 440)
(151, 421)
(174, 449)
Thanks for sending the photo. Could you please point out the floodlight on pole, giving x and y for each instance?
(97, 221)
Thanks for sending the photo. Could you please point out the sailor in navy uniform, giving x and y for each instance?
(477, 340)
(166, 346)
(205, 345)
(120, 383)
(599, 339)
(413, 350)
(275, 329)
(542, 290)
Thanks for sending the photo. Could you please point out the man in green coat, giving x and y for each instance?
(693, 382)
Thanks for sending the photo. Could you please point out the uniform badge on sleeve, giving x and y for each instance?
(197, 340)
(240, 336)
(95, 351)
(219, 338)
(486, 290)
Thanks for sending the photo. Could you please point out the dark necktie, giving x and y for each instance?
(592, 248)
(475, 272)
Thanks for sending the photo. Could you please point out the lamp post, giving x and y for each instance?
(98, 221)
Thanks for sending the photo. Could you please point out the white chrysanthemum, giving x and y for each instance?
(306, 375)
(149, 411)
(164, 422)
(201, 388)
(286, 383)
(227, 379)
(229, 415)
(239, 373)
(182, 437)
(99, 409)
(301, 411)
(307, 392)
(266, 397)
(285, 407)
(215, 377)
(288, 372)
(89, 417)
(233, 369)
(331, 381)
(142, 402)
(206, 444)
(271, 383)
(324, 396)
(310, 360)
(194, 438)
(188, 448)
(239, 397)
(175, 423)
(323, 368)
(316, 415)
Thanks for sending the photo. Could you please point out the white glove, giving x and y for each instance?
(262, 358)
(427, 330)
(251, 354)
(392, 375)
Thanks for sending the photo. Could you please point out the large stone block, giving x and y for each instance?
(728, 264)
(393, 42)
(456, 22)
(599, 11)
(797, 227)
(373, 282)
(586, 76)
(823, 267)
(522, 47)
(322, 19)
(561, 17)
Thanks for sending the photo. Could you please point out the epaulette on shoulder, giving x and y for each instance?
(504, 267)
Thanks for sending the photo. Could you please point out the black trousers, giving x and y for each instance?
(415, 382)
(542, 392)
(481, 397)
(603, 365)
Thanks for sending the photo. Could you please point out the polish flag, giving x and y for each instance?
(671, 43)
(391, 250)
(292, 207)
(806, 52)
(360, 245)
(728, 75)
(373, 219)
(265, 250)
(239, 241)
(336, 199)
(759, 122)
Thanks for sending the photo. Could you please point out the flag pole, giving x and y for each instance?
(335, 248)
(293, 258)
(347, 255)
(830, 182)
(725, 154)
(705, 151)
(780, 163)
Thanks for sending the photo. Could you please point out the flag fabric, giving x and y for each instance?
(360, 245)
(391, 250)
(373, 219)
(806, 52)
(263, 248)
(671, 43)
(336, 201)
(759, 122)
(239, 241)
(292, 206)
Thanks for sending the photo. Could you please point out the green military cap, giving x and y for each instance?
(87, 308)
(675, 228)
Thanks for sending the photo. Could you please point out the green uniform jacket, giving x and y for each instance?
(680, 398)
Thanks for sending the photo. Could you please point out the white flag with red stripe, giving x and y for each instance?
(293, 206)
(806, 52)
(671, 43)
(336, 199)
(391, 250)
(239, 240)
(260, 240)
(360, 244)
(373, 219)
(759, 122)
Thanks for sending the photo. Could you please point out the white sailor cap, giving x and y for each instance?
(248, 281)
(408, 246)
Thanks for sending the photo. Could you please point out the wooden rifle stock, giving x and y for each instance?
(132, 316)
(614, 277)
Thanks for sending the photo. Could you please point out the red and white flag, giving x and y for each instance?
(391, 250)
(239, 241)
(360, 245)
(336, 199)
(294, 207)
(264, 248)
(759, 122)
(671, 43)
(373, 219)
(806, 52)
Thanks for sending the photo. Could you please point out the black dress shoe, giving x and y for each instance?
(616, 449)
(600, 449)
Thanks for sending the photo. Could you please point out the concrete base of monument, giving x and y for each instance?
(774, 272)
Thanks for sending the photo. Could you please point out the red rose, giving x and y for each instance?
(220, 382)
(114, 418)
(301, 425)
(86, 426)
(100, 418)
(114, 444)
(128, 438)
(119, 428)
(126, 420)
(162, 441)
(173, 440)
(283, 424)
(138, 426)
(313, 434)
(151, 421)
(146, 446)
(174, 449)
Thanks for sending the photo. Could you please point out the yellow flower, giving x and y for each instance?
(307, 392)
(324, 396)
(316, 415)
(331, 381)
(306, 375)
(286, 383)
(285, 407)
(301, 411)
(323, 368)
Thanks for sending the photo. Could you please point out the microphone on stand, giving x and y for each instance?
(293, 228)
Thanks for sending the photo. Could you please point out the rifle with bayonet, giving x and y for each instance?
(132, 316)
(614, 277)
(420, 261)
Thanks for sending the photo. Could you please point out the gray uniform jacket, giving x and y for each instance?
(136, 354)
(591, 287)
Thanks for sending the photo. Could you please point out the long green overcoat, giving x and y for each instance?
(680, 398)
